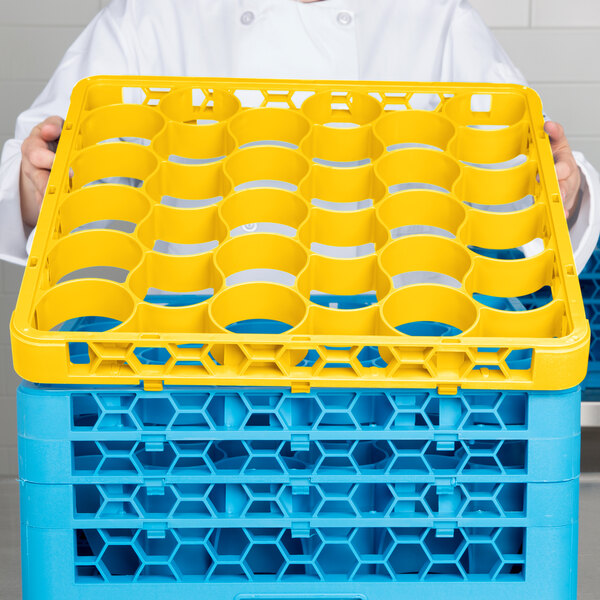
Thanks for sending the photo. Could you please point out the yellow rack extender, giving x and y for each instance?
(268, 203)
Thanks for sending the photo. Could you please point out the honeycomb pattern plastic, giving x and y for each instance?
(329, 565)
(262, 493)
(398, 192)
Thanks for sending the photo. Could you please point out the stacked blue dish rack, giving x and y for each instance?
(260, 493)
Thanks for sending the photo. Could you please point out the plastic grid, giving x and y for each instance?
(235, 435)
(279, 493)
(222, 196)
(301, 506)
(331, 554)
(222, 502)
(332, 564)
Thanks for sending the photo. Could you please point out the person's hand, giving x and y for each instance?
(567, 171)
(38, 151)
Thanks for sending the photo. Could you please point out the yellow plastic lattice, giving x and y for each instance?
(342, 172)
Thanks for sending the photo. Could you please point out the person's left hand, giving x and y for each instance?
(567, 171)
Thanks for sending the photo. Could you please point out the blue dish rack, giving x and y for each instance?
(248, 493)
(234, 493)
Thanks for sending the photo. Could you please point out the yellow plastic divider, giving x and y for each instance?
(180, 210)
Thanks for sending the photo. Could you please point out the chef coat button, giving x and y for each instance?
(344, 18)
(247, 18)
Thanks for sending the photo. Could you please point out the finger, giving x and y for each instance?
(564, 170)
(39, 178)
(562, 150)
(31, 143)
(48, 130)
(555, 131)
(41, 158)
(50, 133)
(51, 128)
(54, 120)
(558, 140)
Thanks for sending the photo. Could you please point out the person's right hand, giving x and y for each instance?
(38, 151)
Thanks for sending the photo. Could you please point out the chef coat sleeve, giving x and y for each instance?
(473, 54)
(104, 47)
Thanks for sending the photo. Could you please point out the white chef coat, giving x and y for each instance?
(408, 40)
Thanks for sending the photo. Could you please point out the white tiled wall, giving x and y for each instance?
(556, 43)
